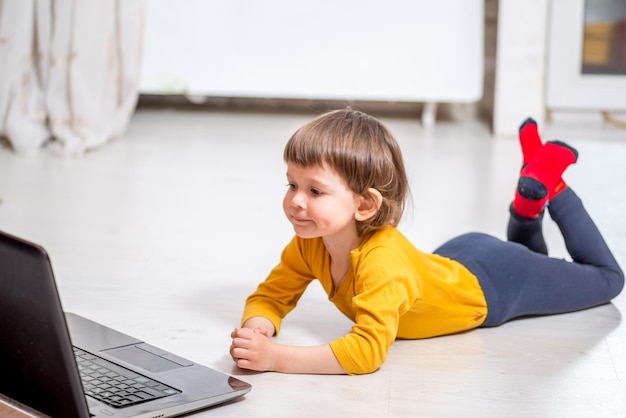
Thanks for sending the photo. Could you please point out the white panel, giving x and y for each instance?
(398, 50)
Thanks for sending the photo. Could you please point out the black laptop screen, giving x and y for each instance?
(37, 365)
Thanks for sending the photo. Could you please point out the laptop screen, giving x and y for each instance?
(36, 356)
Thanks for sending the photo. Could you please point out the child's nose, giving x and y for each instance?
(298, 200)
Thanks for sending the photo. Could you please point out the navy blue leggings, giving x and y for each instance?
(519, 279)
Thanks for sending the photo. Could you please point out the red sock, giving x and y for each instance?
(529, 139)
(531, 143)
(540, 180)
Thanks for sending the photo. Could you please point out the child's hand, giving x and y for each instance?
(252, 349)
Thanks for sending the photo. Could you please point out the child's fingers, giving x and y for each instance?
(241, 333)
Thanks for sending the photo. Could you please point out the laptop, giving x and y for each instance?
(64, 365)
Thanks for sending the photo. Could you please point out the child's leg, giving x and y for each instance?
(526, 231)
(540, 180)
(583, 240)
(519, 282)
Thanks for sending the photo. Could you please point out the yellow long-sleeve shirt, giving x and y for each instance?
(393, 290)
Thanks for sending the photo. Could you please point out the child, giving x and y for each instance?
(346, 194)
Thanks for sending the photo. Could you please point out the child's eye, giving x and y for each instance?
(291, 186)
(316, 192)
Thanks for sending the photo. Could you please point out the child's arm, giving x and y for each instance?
(253, 349)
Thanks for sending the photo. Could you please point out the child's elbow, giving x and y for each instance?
(364, 365)
(358, 356)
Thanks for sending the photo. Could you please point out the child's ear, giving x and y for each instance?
(370, 203)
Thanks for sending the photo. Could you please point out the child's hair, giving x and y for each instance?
(361, 150)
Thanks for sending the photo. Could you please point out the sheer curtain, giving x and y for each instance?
(69, 72)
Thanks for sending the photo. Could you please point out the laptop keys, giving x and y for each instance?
(114, 385)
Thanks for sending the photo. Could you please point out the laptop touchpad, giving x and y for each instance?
(142, 358)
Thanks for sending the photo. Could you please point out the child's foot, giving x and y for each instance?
(529, 139)
(531, 143)
(540, 179)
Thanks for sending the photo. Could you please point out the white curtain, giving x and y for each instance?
(69, 72)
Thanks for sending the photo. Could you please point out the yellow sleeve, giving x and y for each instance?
(383, 293)
(275, 297)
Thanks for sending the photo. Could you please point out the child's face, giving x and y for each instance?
(319, 203)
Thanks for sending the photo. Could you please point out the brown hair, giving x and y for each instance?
(363, 151)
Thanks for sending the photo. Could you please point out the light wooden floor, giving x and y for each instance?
(164, 233)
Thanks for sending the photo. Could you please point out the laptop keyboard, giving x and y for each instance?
(115, 385)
